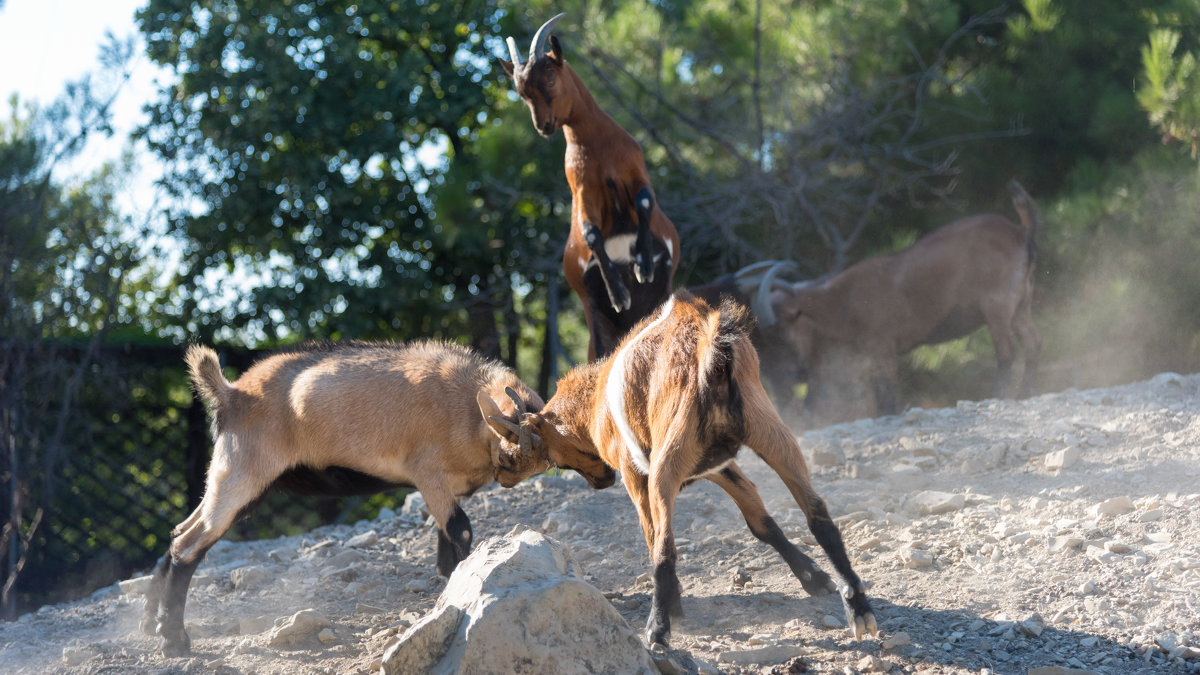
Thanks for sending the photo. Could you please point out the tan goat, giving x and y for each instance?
(674, 403)
(976, 271)
(345, 419)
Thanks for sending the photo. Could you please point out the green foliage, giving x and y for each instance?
(1171, 92)
(296, 134)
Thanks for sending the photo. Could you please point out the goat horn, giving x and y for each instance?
(764, 311)
(513, 53)
(538, 48)
(506, 423)
(517, 400)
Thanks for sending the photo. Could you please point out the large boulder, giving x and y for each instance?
(518, 604)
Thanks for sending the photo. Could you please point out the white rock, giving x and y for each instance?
(1117, 506)
(368, 538)
(762, 655)
(900, 639)
(249, 577)
(914, 558)
(135, 586)
(931, 502)
(1062, 459)
(827, 456)
(1151, 516)
(522, 601)
(297, 628)
(831, 621)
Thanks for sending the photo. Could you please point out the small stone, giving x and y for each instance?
(385, 514)
(873, 664)
(1151, 516)
(248, 577)
(1062, 459)
(1064, 543)
(368, 538)
(1117, 506)
(900, 639)
(364, 608)
(1087, 588)
(915, 558)
(1116, 547)
(136, 586)
(255, 625)
(76, 655)
(298, 628)
(1101, 556)
(762, 655)
(831, 621)
(326, 636)
(931, 502)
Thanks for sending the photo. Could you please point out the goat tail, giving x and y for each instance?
(734, 322)
(207, 379)
(1031, 218)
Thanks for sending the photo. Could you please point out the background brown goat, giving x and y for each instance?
(976, 271)
(622, 251)
(347, 419)
(674, 403)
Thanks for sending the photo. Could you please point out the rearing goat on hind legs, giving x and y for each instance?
(622, 252)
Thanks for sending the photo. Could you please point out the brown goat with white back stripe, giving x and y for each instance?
(346, 419)
(674, 403)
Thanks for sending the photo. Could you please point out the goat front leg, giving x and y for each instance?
(618, 295)
(643, 270)
(454, 528)
(739, 487)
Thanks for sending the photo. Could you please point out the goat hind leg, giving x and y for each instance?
(773, 441)
(743, 492)
(664, 486)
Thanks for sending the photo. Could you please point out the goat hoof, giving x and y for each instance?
(181, 645)
(859, 616)
(657, 635)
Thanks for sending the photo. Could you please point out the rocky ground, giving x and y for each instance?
(1052, 535)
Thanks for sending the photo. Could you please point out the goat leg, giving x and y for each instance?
(454, 542)
(743, 492)
(643, 270)
(618, 295)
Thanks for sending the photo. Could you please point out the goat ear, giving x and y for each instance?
(556, 50)
(507, 66)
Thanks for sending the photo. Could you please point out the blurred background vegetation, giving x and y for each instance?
(363, 170)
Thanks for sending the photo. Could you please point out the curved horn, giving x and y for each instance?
(524, 433)
(763, 309)
(513, 54)
(516, 399)
(538, 48)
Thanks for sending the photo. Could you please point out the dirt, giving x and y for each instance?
(979, 554)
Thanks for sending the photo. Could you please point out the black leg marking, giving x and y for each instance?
(154, 596)
(854, 594)
(618, 295)
(666, 603)
(815, 581)
(644, 256)
(169, 618)
(454, 543)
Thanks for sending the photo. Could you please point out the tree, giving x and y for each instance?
(305, 137)
(1170, 93)
(66, 262)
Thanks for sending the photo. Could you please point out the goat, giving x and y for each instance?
(674, 403)
(622, 251)
(975, 271)
(345, 419)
